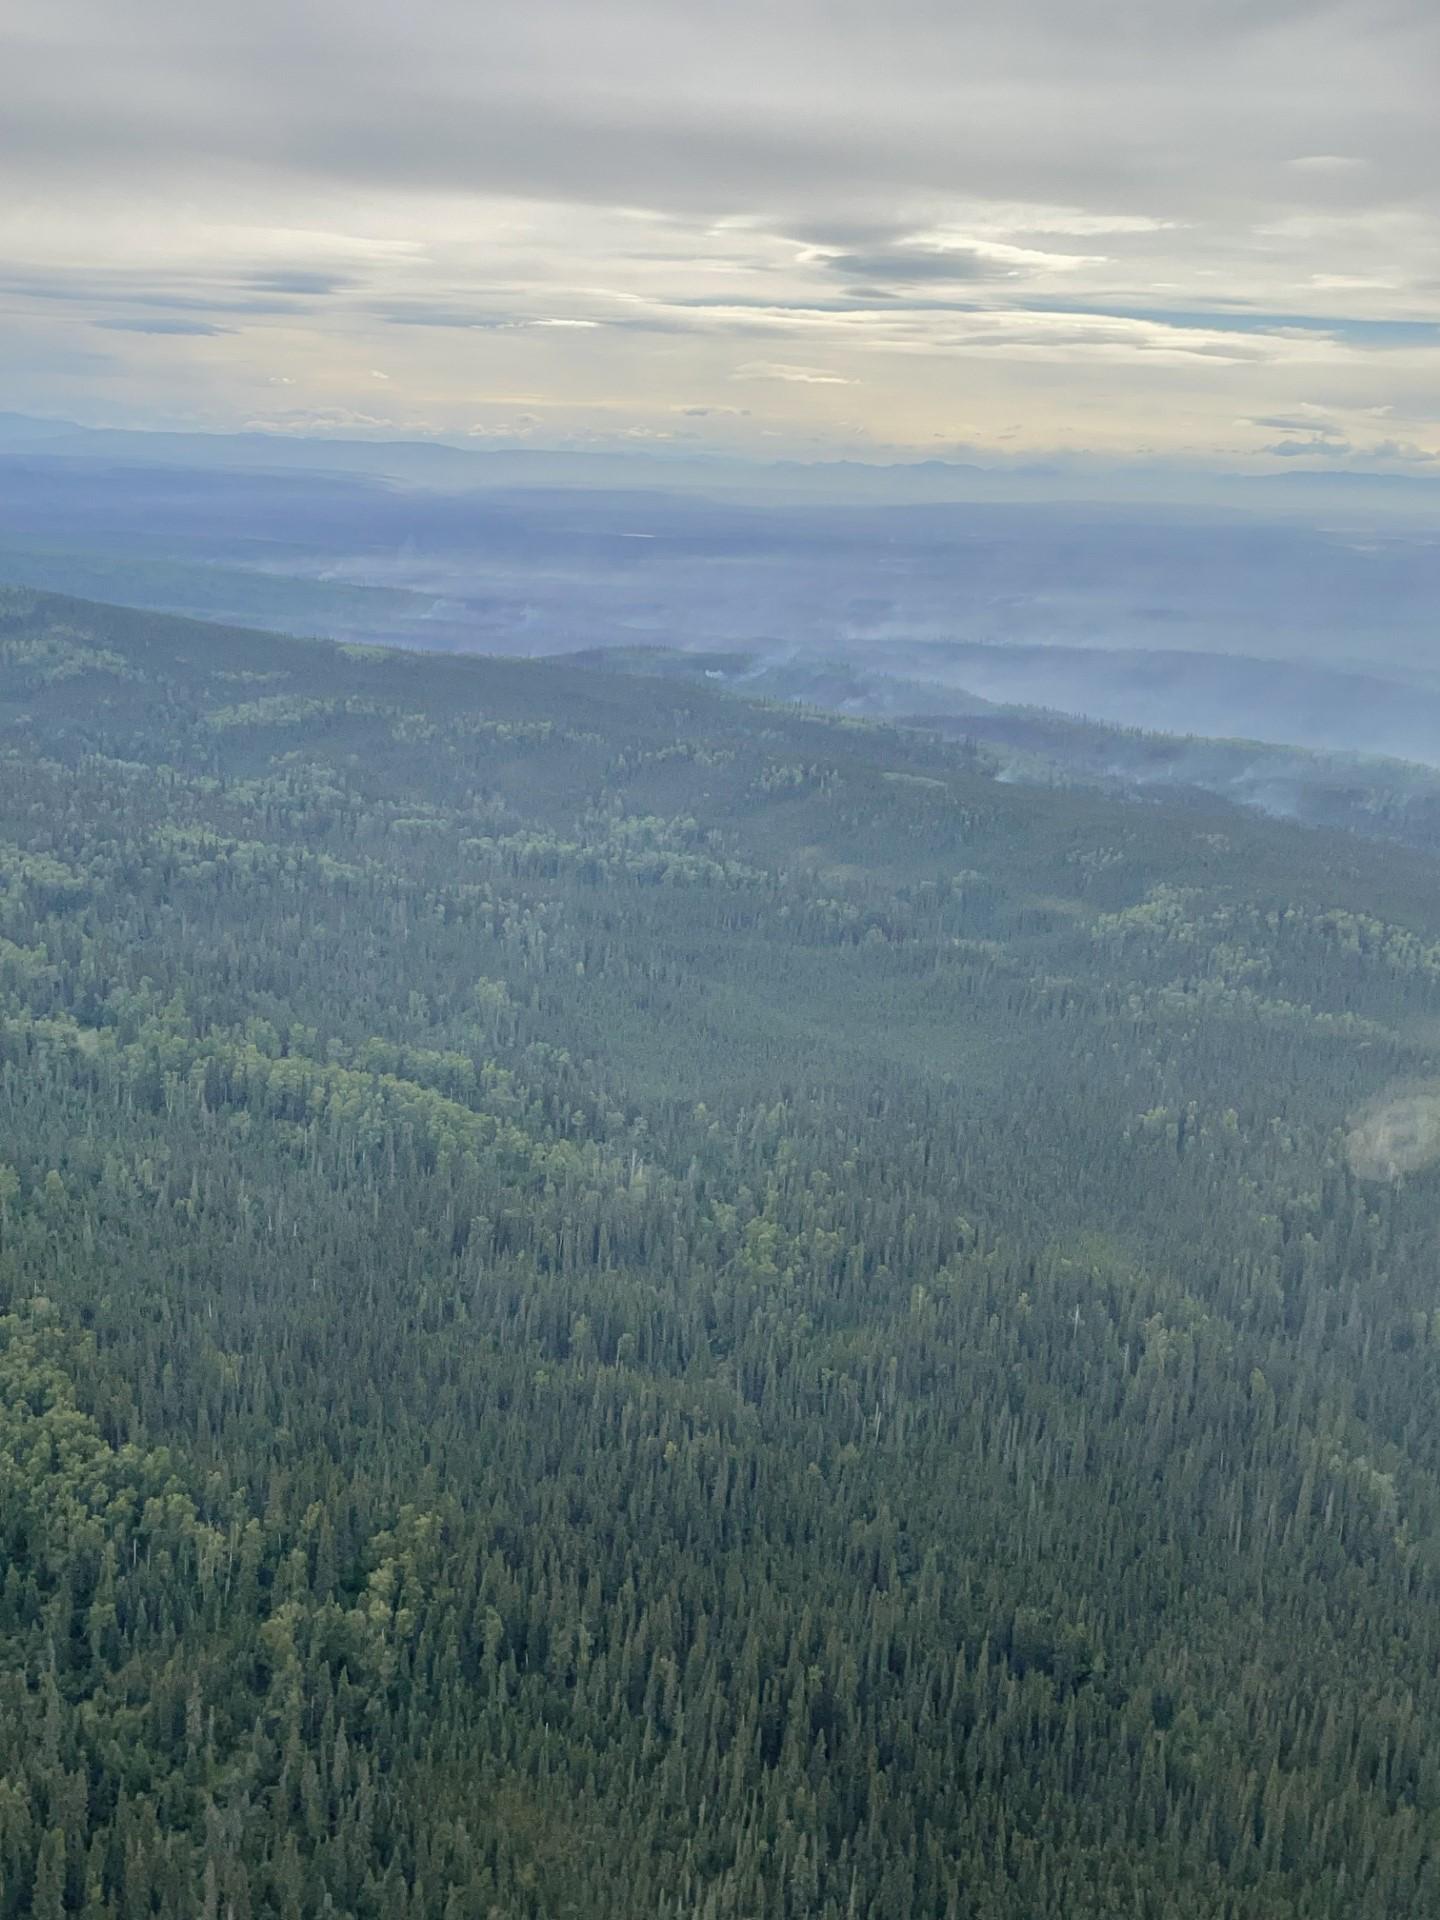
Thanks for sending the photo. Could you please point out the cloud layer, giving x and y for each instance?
(1045, 226)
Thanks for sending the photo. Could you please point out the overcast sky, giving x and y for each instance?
(1205, 229)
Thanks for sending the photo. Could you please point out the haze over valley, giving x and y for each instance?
(1294, 619)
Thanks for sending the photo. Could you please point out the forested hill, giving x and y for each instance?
(1381, 799)
(620, 1304)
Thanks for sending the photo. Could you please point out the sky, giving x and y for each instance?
(1008, 230)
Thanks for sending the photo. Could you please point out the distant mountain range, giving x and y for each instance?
(450, 463)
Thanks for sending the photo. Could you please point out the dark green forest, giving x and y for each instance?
(620, 1303)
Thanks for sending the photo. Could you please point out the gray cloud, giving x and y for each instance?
(1403, 450)
(908, 265)
(1311, 423)
(202, 329)
(644, 102)
(463, 318)
(309, 280)
(1332, 446)
(93, 287)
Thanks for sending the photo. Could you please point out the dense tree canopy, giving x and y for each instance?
(619, 1303)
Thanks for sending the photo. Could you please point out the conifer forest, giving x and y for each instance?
(618, 1302)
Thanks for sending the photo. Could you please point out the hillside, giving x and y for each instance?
(1380, 798)
(618, 1302)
